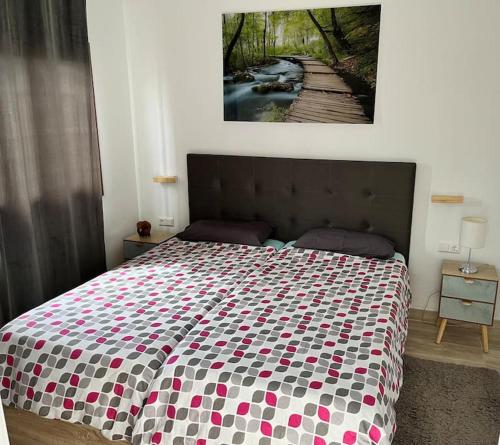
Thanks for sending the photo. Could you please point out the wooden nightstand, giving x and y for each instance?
(135, 245)
(470, 298)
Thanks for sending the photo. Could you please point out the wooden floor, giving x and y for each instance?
(25, 428)
(325, 97)
(461, 342)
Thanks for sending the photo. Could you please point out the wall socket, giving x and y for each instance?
(449, 247)
(167, 221)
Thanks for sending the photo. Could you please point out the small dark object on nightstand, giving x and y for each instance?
(144, 228)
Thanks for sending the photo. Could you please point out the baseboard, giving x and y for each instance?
(423, 315)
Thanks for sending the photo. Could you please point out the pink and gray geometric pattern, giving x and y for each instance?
(91, 354)
(307, 350)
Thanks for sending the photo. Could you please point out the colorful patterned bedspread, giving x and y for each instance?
(90, 355)
(306, 351)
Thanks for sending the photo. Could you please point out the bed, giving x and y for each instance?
(90, 355)
(307, 350)
(293, 195)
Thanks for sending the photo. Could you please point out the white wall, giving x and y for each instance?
(108, 48)
(152, 50)
(436, 92)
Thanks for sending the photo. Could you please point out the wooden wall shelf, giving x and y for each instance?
(447, 199)
(165, 179)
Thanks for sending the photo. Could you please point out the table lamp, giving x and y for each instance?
(472, 236)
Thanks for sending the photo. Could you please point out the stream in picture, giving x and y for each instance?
(243, 102)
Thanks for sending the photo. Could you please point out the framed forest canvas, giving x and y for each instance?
(312, 65)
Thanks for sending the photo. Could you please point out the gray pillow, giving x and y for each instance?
(252, 233)
(347, 241)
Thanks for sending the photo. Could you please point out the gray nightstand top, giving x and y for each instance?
(486, 271)
(155, 238)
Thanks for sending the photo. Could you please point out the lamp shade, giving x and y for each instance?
(473, 232)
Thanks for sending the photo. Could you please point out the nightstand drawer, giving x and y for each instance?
(469, 289)
(466, 310)
(131, 249)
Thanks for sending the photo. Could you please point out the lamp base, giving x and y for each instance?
(468, 268)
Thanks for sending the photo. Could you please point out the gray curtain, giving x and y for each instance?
(51, 228)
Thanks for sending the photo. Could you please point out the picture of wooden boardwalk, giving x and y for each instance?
(301, 66)
(325, 97)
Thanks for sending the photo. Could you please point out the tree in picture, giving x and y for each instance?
(313, 65)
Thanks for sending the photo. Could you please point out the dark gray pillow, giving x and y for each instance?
(347, 241)
(252, 233)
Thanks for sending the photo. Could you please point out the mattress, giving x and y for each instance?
(307, 350)
(277, 244)
(90, 354)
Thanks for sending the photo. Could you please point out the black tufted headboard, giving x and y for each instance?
(296, 195)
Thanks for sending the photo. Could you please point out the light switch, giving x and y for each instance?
(448, 247)
(443, 246)
(166, 221)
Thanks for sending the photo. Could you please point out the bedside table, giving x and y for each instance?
(135, 245)
(467, 297)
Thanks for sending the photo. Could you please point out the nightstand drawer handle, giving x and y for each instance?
(466, 302)
(468, 281)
